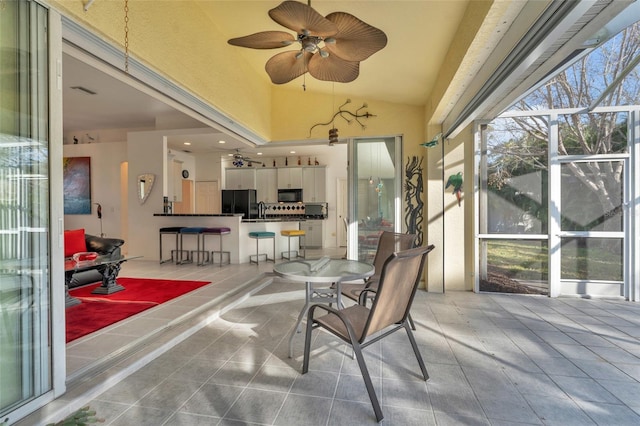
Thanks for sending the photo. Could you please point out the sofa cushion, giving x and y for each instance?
(74, 242)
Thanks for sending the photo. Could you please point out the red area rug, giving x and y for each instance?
(98, 310)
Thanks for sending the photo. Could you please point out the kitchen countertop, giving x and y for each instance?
(276, 219)
(198, 214)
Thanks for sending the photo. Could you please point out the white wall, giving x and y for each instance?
(146, 152)
(106, 159)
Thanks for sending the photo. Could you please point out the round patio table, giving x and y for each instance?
(322, 271)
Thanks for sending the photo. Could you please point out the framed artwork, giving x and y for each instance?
(76, 173)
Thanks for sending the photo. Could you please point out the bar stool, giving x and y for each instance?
(192, 230)
(289, 233)
(219, 231)
(261, 235)
(172, 230)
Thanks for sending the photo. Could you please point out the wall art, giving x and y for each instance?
(76, 172)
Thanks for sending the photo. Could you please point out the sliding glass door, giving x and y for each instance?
(375, 191)
(25, 304)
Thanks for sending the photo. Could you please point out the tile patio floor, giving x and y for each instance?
(492, 360)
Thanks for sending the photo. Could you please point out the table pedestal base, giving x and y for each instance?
(109, 273)
(315, 295)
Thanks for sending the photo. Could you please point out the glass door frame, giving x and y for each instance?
(48, 371)
(352, 182)
(630, 204)
(556, 234)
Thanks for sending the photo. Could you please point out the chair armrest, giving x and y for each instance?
(365, 294)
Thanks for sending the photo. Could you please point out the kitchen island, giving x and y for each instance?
(237, 242)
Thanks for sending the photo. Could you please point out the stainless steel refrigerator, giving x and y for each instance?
(240, 201)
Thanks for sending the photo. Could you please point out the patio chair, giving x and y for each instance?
(396, 289)
(388, 243)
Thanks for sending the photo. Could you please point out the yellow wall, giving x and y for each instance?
(294, 112)
(177, 40)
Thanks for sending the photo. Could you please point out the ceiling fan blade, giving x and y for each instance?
(298, 17)
(264, 40)
(356, 40)
(332, 68)
(285, 66)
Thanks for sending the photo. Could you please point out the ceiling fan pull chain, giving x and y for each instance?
(126, 36)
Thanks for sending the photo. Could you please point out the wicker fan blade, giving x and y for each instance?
(264, 40)
(298, 17)
(285, 66)
(356, 40)
(332, 68)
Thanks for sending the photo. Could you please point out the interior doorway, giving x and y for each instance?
(375, 188)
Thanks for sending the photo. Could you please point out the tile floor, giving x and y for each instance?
(492, 360)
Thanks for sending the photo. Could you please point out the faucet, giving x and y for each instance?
(262, 210)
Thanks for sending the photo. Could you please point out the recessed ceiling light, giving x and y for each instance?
(222, 142)
(258, 153)
(187, 143)
(230, 155)
(292, 152)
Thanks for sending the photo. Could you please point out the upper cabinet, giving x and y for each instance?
(240, 178)
(313, 184)
(267, 185)
(290, 177)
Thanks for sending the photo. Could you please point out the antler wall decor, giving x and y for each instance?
(345, 114)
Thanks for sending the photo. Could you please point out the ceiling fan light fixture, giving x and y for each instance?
(347, 41)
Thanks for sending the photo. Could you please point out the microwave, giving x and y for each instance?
(293, 195)
(315, 210)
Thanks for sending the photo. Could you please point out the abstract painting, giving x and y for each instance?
(76, 172)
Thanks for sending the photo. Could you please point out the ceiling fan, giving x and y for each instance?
(330, 48)
(239, 159)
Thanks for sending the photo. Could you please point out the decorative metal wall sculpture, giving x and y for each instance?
(413, 188)
(357, 115)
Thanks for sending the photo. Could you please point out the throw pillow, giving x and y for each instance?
(74, 242)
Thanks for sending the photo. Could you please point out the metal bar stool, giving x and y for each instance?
(261, 235)
(197, 231)
(172, 230)
(219, 231)
(289, 233)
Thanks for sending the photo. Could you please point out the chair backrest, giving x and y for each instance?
(397, 287)
(389, 243)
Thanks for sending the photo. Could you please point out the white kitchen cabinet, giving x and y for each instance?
(267, 185)
(240, 178)
(313, 184)
(313, 233)
(289, 177)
